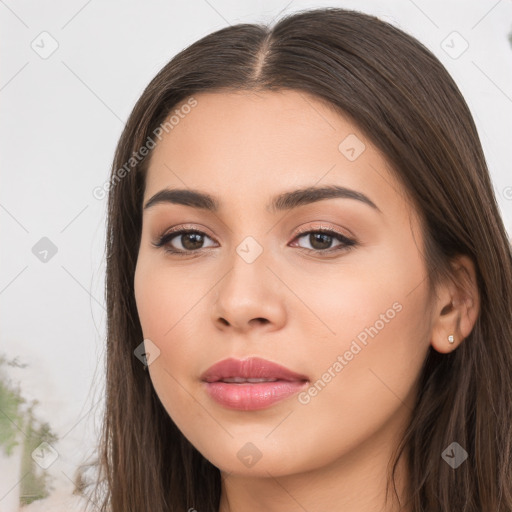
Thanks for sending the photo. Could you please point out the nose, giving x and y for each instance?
(250, 296)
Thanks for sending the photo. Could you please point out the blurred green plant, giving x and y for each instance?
(34, 485)
(17, 417)
(10, 410)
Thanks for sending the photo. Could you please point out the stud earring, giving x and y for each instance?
(450, 338)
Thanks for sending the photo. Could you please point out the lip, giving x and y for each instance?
(249, 396)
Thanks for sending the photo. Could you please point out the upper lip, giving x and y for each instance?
(250, 368)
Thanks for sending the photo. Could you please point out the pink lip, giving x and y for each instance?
(251, 396)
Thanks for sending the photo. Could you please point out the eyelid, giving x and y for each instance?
(320, 227)
(300, 231)
(188, 227)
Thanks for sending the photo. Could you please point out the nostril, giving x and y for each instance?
(259, 320)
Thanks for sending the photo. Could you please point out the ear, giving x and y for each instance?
(457, 306)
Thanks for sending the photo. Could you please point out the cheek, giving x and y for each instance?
(164, 298)
(168, 305)
(368, 379)
(368, 370)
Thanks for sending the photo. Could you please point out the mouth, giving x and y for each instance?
(253, 369)
(241, 380)
(251, 384)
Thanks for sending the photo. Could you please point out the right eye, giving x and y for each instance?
(191, 240)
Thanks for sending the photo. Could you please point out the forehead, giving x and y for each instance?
(247, 146)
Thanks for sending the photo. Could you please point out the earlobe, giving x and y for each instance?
(457, 307)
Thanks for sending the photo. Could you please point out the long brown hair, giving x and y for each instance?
(403, 99)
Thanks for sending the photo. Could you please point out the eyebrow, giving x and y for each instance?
(281, 202)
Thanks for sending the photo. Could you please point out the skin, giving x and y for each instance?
(244, 148)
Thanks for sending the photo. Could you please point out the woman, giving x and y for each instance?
(308, 282)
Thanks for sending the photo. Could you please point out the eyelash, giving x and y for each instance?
(347, 243)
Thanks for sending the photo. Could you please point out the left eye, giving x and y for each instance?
(321, 240)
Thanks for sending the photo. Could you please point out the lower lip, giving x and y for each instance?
(252, 396)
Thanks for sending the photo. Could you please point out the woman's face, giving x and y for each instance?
(344, 309)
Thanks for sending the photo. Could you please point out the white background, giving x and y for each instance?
(61, 118)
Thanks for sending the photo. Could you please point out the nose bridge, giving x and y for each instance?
(251, 241)
(248, 292)
(248, 275)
